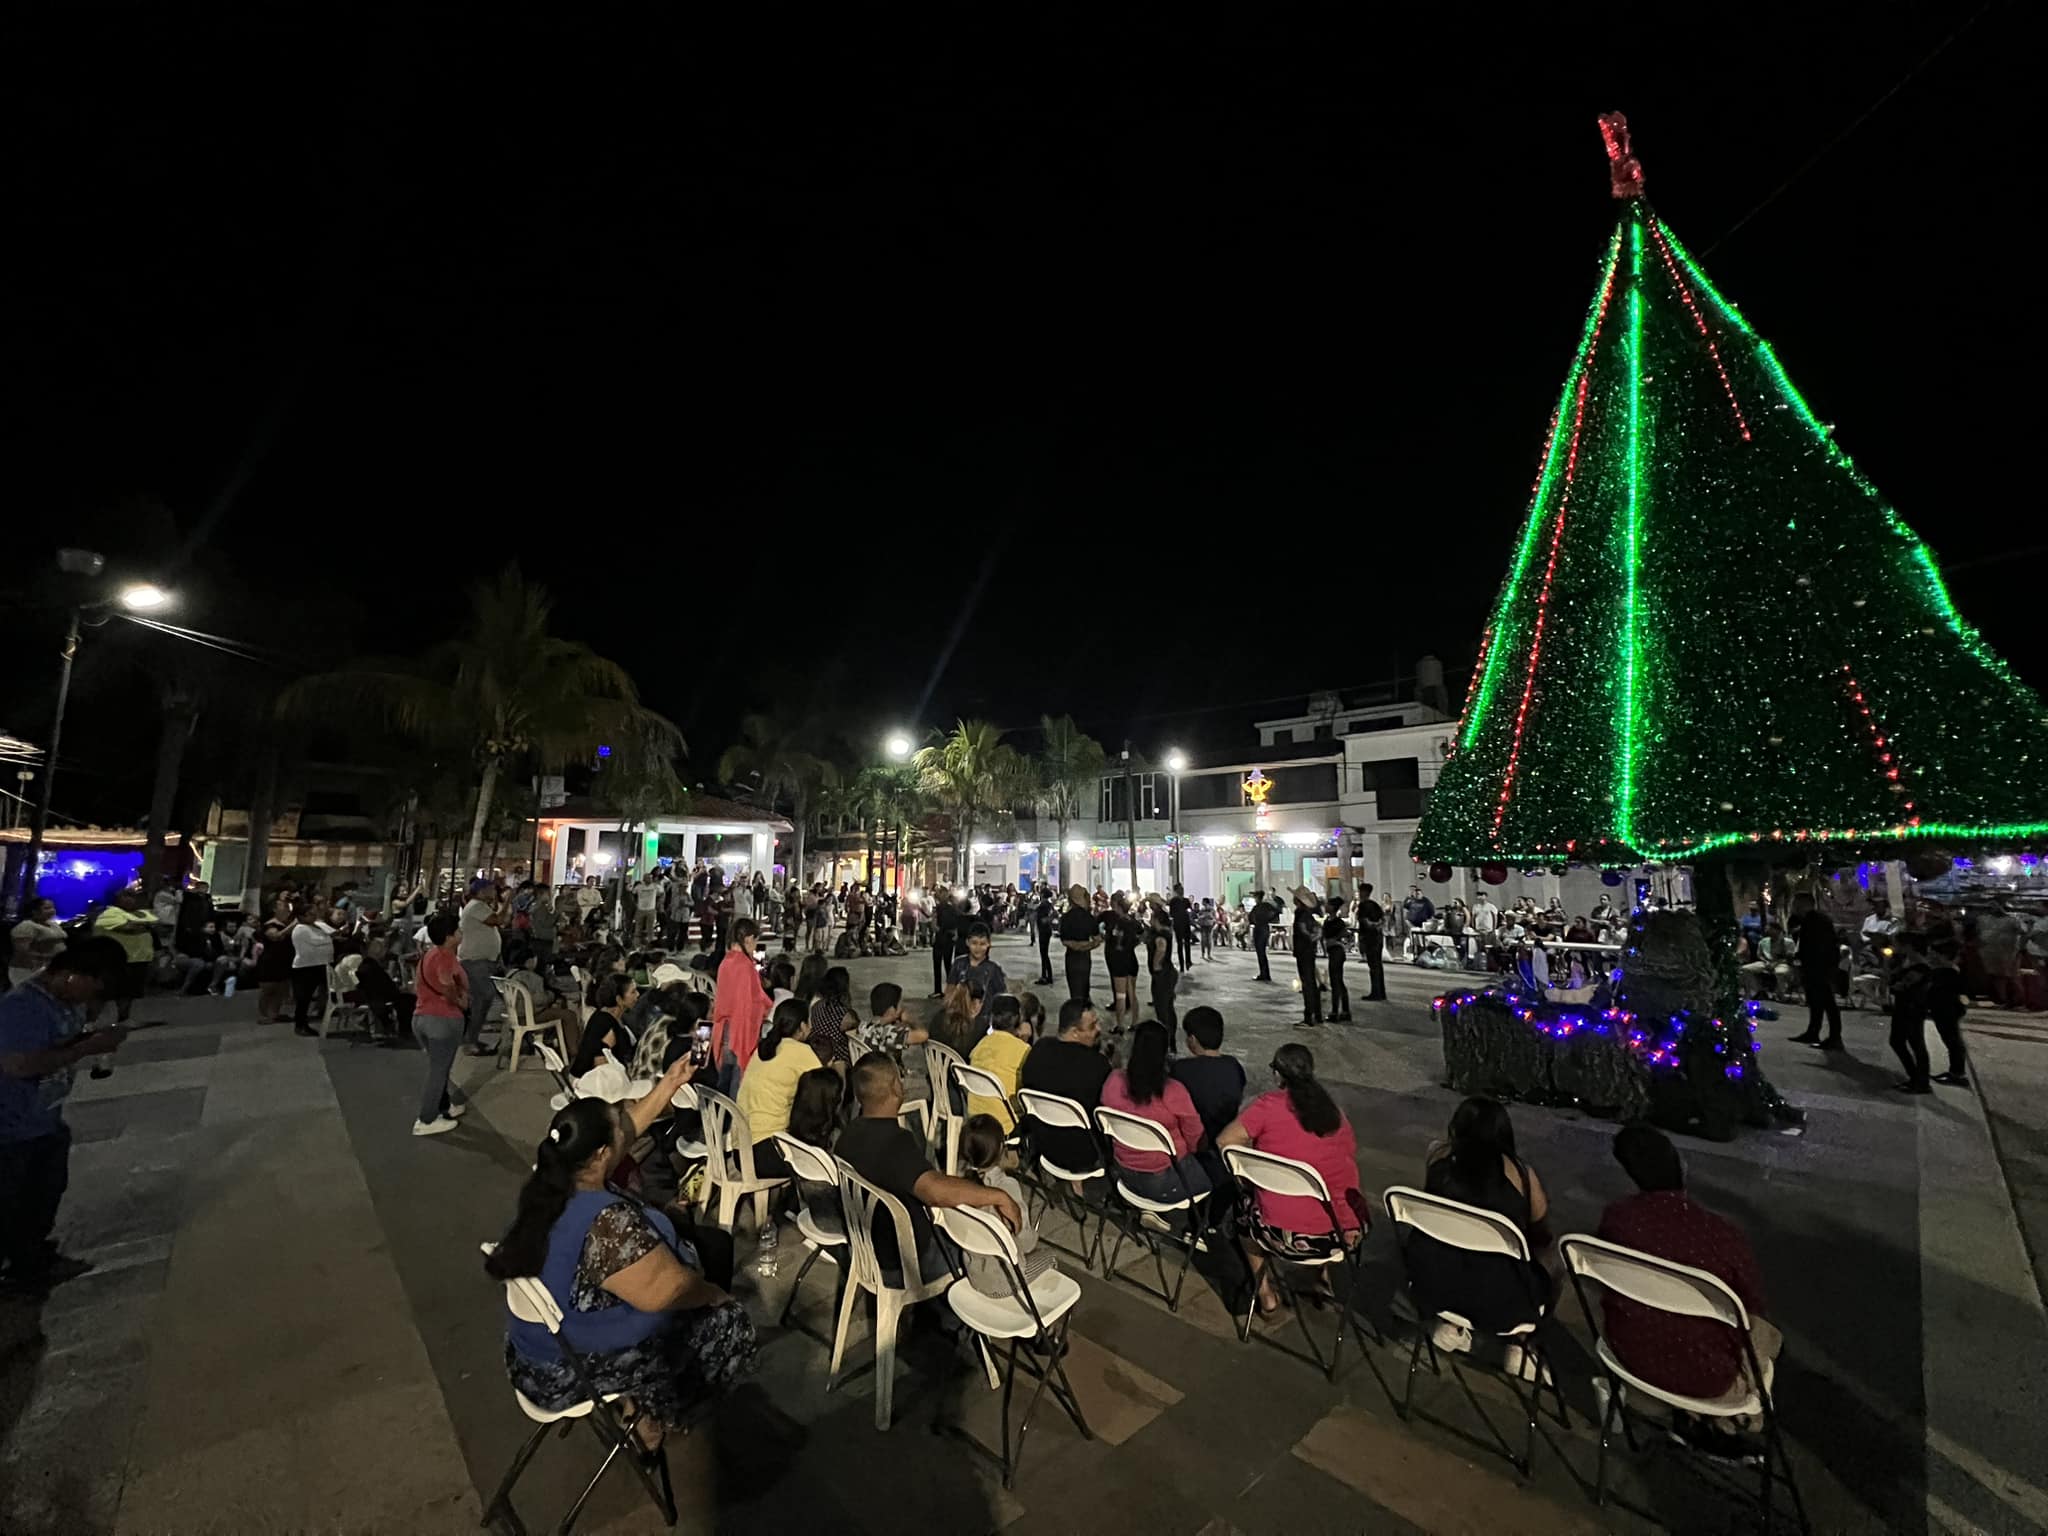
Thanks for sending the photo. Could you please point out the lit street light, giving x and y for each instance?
(898, 746)
(136, 597)
(1176, 763)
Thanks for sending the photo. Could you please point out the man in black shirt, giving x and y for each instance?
(1263, 913)
(1182, 911)
(1820, 961)
(1372, 943)
(948, 923)
(975, 971)
(889, 1157)
(1073, 1067)
(1046, 918)
(1081, 935)
(1335, 934)
(1214, 1081)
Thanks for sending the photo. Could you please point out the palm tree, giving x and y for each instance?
(772, 753)
(506, 688)
(1070, 768)
(970, 773)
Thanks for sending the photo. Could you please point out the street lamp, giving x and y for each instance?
(1176, 762)
(898, 746)
(136, 597)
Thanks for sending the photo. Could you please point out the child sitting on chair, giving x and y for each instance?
(981, 1159)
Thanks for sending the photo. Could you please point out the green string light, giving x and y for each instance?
(1625, 791)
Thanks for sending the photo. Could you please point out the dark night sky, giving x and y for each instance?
(757, 345)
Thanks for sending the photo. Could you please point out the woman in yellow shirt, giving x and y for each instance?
(768, 1089)
(1000, 1053)
(131, 925)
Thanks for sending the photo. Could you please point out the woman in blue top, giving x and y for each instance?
(635, 1303)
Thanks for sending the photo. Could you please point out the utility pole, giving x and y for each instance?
(1131, 818)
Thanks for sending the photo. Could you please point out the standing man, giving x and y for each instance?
(478, 949)
(1372, 943)
(1820, 960)
(1045, 914)
(1418, 909)
(42, 1041)
(975, 971)
(1336, 932)
(1302, 944)
(946, 925)
(1081, 936)
(1182, 911)
(1263, 913)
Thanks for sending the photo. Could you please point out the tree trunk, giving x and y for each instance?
(485, 789)
(797, 862)
(1061, 820)
(867, 849)
(262, 809)
(181, 717)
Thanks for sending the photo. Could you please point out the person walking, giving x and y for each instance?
(480, 943)
(1336, 932)
(1081, 936)
(440, 992)
(1820, 960)
(1302, 944)
(1263, 913)
(1161, 941)
(1182, 911)
(1372, 945)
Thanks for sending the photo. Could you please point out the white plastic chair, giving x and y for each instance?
(939, 1061)
(1687, 1292)
(332, 1006)
(689, 1151)
(530, 1301)
(1056, 1183)
(977, 1083)
(812, 1167)
(729, 1161)
(1136, 1133)
(520, 1023)
(1477, 1231)
(558, 1069)
(584, 987)
(1275, 1175)
(860, 1202)
(1035, 1314)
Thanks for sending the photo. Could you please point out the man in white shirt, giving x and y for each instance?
(1485, 915)
(478, 950)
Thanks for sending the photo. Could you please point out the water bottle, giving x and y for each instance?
(764, 1253)
(227, 988)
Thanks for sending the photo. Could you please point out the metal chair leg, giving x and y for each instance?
(502, 1499)
(1606, 1429)
(797, 1285)
(576, 1509)
(1414, 1360)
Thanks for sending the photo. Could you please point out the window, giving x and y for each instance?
(1151, 790)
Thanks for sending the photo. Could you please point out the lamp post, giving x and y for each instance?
(1130, 817)
(136, 597)
(1176, 761)
(899, 747)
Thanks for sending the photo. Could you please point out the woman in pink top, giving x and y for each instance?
(1145, 1087)
(1300, 1121)
(738, 1008)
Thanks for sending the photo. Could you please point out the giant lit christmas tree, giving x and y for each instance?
(1715, 632)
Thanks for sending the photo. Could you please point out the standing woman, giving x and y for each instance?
(738, 1009)
(440, 999)
(1161, 940)
(1080, 937)
(1336, 932)
(312, 954)
(274, 963)
(1123, 939)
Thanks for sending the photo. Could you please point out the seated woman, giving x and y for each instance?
(1145, 1087)
(1477, 1165)
(606, 1029)
(636, 1303)
(814, 1119)
(1299, 1119)
(768, 1088)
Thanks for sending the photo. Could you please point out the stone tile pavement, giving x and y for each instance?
(289, 1329)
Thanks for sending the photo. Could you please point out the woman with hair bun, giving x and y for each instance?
(636, 1303)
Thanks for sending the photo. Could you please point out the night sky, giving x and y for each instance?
(1073, 361)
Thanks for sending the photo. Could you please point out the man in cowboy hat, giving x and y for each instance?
(1080, 936)
(1303, 945)
(1263, 913)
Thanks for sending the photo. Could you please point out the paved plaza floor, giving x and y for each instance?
(289, 1328)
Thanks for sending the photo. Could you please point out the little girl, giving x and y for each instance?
(981, 1154)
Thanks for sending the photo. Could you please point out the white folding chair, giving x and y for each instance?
(1035, 1315)
(861, 1202)
(1136, 1133)
(1477, 1231)
(1055, 1183)
(810, 1166)
(529, 1301)
(1275, 1175)
(939, 1062)
(1686, 1292)
(520, 1023)
(729, 1161)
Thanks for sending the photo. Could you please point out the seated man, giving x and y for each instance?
(892, 1159)
(1695, 1356)
(1073, 1067)
(1001, 1053)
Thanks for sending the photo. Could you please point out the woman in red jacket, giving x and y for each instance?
(738, 1008)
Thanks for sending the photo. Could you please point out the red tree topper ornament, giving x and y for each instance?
(1623, 167)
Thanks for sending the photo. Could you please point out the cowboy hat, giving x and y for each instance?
(1303, 893)
(667, 974)
(1078, 894)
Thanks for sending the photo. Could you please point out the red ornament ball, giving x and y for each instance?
(1494, 874)
(1440, 873)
